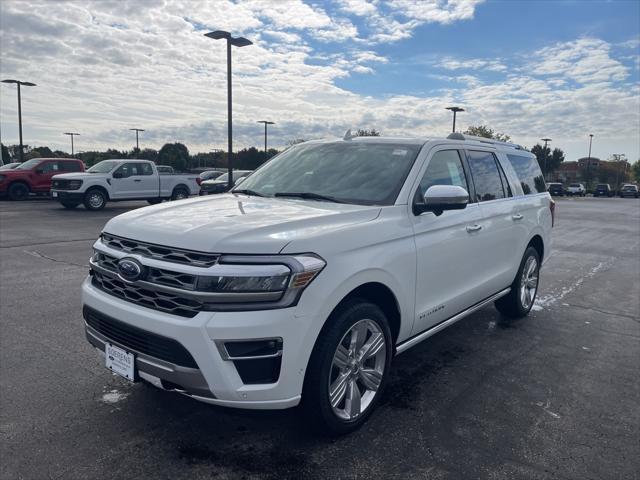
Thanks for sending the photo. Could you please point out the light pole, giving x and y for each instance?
(137, 144)
(236, 42)
(544, 152)
(71, 134)
(265, 132)
(454, 110)
(589, 160)
(26, 84)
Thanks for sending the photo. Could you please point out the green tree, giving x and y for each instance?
(175, 155)
(6, 158)
(486, 132)
(635, 171)
(549, 161)
(367, 133)
(148, 154)
(295, 141)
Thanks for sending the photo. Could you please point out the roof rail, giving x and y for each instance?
(491, 141)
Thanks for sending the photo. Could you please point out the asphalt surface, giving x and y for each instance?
(556, 395)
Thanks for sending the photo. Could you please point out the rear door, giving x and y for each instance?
(449, 275)
(502, 233)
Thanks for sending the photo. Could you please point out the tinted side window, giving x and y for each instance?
(49, 167)
(505, 182)
(486, 176)
(144, 169)
(126, 169)
(445, 168)
(529, 174)
(67, 166)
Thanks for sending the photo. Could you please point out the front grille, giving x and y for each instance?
(154, 275)
(167, 254)
(139, 340)
(61, 184)
(162, 301)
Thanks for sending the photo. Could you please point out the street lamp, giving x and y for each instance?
(265, 132)
(454, 110)
(137, 144)
(236, 42)
(589, 160)
(544, 152)
(71, 134)
(26, 84)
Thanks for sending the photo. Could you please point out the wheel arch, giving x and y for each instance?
(98, 187)
(538, 243)
(181, 185)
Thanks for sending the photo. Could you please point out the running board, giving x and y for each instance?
(407, 344)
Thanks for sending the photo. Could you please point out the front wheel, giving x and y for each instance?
(348, 368)
(18, 191)
(518, 302)
(95, 200)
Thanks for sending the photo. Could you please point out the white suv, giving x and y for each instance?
(304, 282)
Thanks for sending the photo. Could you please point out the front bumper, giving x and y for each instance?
(215, 380)
(67, 196)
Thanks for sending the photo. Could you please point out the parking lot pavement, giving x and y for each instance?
(555, 395)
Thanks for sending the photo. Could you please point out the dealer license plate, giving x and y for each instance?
(120, 361)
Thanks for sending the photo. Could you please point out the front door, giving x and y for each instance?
(449, 264)
(42, 175)
(136, 180)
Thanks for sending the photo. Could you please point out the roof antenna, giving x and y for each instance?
(347, 135)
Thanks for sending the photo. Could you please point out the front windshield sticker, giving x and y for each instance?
(399, 151)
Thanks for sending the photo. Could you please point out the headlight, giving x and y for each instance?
(270, 281)
(75, 184)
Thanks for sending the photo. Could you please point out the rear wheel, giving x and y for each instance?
(518, 302)
(179, 193)
(348, 368)
(95, 199)
(70, 205)
(18, 191)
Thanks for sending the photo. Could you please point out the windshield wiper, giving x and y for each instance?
(246, 191)
(308, 196)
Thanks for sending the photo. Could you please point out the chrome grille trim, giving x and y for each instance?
(158, 252)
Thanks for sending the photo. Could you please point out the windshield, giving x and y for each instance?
(365, 173)
(602, 185)
(29, 164)
(103, 167)
(574, 185)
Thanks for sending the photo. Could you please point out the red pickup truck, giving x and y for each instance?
(34, 176)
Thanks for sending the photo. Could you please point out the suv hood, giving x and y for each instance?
(74, 175)
(233, 223)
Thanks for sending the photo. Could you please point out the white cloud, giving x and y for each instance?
(105, 67)
(436, 10)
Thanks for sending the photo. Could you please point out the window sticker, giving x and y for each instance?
(399, 151)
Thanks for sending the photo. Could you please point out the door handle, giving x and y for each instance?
(474, 228)
(138, 180)
(517, 216)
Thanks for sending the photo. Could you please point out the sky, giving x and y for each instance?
(530, 69)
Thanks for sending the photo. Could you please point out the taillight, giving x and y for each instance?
(198, 180)
(552, 207)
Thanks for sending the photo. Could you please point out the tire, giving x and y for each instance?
(18, 191)
(179, 193)
(154, 201)
(518, 302)
(70, 205)
(95, 199)
(328, 368)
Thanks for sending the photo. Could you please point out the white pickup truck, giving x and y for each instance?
(117, 180)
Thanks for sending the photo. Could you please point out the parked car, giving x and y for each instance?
(629, 191)
(220, 184)
(34, 176)
(210, 174)
(165, 169)
(329, 260)
(556, 189)
(9, 166)
(117, 180)
(603, 190)
(576, 189)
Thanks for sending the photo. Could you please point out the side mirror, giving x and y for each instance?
(439, 198)
(117, 175)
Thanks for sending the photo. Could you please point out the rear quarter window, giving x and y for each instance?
(529, 174)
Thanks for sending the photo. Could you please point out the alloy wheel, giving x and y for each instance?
(529, 283)
(357, 369)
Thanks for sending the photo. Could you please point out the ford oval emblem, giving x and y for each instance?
(130, 269)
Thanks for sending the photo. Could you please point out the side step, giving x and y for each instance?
(407, 344)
